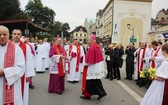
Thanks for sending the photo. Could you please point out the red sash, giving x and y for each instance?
(142, 62)
(165, 95)
(155, 54)
(70, 49)
(8, 93)
(23, 47)
(60, 64)
(84, 78)
(78, 58)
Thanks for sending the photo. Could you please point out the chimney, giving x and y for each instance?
(163, 9)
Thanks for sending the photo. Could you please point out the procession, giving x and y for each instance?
(118, 57)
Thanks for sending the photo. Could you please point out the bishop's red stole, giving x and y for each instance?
(155, 54)
(8, 92)
(23, 47)
(60, 64)
(142, 62)
(69, 53)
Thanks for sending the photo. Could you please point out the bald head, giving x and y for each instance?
(4, 35)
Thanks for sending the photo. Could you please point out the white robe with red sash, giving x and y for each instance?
(12, 74)
(158, 58)
(28, 73)
(138, 60)
(73, 74)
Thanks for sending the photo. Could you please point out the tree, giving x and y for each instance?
(10, 9)
(40, 14)
(58, 27)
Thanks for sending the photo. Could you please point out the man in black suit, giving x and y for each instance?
(130, 61)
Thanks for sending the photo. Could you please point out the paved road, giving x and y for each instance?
(123, 92)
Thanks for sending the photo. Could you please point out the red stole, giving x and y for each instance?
(78, 58)
(70, 49)
(165, 95)
(8, 92)
(60, 64)
(23, 47)
(84, 78)
(155, 54)
(142, 62)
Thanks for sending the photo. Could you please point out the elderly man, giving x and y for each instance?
(12, 68)
(93, 71)
(29, 71)
(57, 67)
(77, 53)
(140, 55)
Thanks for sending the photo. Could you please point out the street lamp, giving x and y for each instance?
(131, 28)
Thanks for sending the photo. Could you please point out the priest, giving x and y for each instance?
(76, 53)
(93, 71)
(29, 70)
(12, 68)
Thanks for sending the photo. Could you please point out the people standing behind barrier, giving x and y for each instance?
(118, 53)
(110, 62)
(130, 61)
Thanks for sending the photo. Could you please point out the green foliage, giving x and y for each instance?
(41, 15)
(10, 9)
(58, 27)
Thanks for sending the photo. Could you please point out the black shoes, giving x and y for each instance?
(100, 97)
(59, 93)
(31, 86)
(86, 98)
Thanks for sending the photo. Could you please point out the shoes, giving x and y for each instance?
(31, 86)
(129, 78)
(111, 79)
(126, 78)
(86, 98)
(59, 93)
(106, 77)
(100, 97)
(118, 78)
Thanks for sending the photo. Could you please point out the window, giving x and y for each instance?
(85, 35)
(81, 35)
(76, 34)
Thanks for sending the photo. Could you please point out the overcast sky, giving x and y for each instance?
(75, 11)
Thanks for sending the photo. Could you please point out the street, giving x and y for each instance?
(123, 92)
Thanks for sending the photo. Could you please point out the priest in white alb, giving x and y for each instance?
(12, 68)
(77, 53)
(29, 70)
(40, 57)
(140, 62)
(46, 51)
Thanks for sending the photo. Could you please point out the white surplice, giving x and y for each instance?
(28, 73)
(73, 75)
(40, 56)
(46, 51)
(13, 74)
(154, 95)
(158, 59)
(145, 64)
(66, 47)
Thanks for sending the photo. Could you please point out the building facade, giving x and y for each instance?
(162, 14)
(125, 21)
(80, 33)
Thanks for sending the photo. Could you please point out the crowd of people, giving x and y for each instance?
(154, 56)
(20, 58)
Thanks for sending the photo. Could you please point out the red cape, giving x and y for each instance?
(94, 54)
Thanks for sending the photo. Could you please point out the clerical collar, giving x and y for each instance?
(143, 48)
